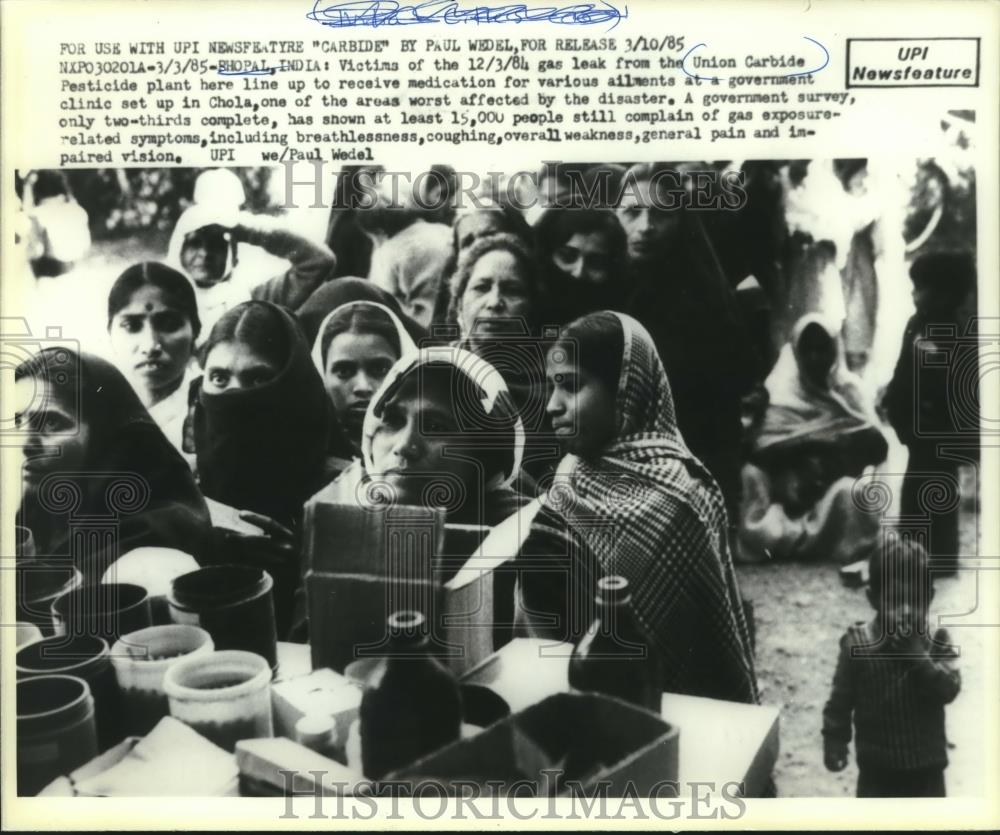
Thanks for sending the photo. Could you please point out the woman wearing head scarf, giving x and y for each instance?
(630, 499)
(818, 435)
(261, 423)
(441, 431)
(357, 343)
(153, 325)
(205, 247)
(94, 455)
(583, 253)
(261, 417)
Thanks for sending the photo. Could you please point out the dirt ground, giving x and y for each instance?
(801, 611)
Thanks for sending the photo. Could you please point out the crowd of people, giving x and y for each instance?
(602, 370)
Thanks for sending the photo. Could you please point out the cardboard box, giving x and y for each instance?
(364, 564)
(265, 763)
(591, 738)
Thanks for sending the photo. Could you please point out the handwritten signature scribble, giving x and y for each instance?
(376, 13)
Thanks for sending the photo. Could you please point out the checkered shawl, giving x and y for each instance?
(649, 510)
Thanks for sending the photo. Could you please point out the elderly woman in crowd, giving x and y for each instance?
(499, 303)
(818, 434)
(470, 223)
(630, 499)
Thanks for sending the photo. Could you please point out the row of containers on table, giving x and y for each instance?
(94, 661)
(98, 663)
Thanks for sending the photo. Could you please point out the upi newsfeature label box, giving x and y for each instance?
(912, 62)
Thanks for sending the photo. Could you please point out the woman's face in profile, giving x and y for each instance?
(55, 438)
(230, 366)
(582, 409)
(152, 340)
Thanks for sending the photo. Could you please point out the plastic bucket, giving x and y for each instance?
(225, 696)
(141, 660)
(56, 733)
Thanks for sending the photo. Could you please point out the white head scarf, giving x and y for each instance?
(193, 218)
(496, 400)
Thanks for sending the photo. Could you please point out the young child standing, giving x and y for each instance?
(929, 401)
(894, 680)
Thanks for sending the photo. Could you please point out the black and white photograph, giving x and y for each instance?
(593, 481)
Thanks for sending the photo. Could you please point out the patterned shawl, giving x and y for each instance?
(649, 510)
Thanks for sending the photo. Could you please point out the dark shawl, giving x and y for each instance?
(690, 311)
(263, 448)
(132, 471)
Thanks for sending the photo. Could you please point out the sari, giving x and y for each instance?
(648, 510)
(133, 479)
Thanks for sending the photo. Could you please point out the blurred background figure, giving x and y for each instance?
(933, 399)
(59, 225)
(818, 435)
(411, 249)
(206, 246)
(678, 290)
(582, 251)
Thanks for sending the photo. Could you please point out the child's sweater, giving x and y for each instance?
(897, 702)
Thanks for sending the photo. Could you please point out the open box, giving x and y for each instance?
(365, 563)
(589, 738)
